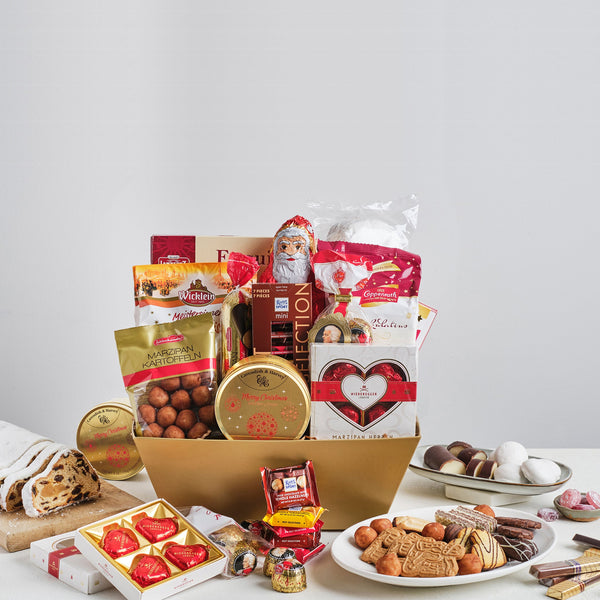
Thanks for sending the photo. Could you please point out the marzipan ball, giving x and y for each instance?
(147, 413)
(181, 400)
(206, 414)
(191, 381)
(389, 564)
(469, 563)
(380, 524)
(199, 430)
(434, 530)
(153, 430)
(171, 384)
(364, 535)
(485, 509)
(158, 397)
(186, 419)
(201, 395)
(173, 432)
(166, 416)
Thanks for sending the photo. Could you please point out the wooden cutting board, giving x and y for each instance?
(17, 530)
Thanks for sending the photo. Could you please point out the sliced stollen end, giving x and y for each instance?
(474, 467)
(68, 479)
(438, 457)
(468, 453)
(488, 468)
(26, 459)
(457, 447)
(10, 492)
(14, 442)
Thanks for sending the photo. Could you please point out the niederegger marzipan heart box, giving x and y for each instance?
(362, 391)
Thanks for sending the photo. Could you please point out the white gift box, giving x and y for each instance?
(88, 540)
(59, 557)
(363, 391)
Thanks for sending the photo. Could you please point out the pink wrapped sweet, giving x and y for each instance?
(570, 498)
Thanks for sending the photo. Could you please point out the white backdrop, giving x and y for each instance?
(119, 120)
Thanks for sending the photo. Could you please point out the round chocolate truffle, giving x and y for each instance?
(166, 416)
(173, 432)
(186, 419)
(171, 384)
(181, 399)
(434, 530)
(190, 381)
(147, 413)
(364, 535)
(158, 397)
(153, 430)
(199, 430)
(381, 524)
(201, 395)
(206, 414)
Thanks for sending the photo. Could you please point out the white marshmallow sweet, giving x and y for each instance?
(510, 452)
(509, 473)
(540, 471)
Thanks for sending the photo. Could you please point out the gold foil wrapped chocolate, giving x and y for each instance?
(289, 576)
(276, 555)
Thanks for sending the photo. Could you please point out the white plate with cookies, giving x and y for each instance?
(418, 466)
(347, 554)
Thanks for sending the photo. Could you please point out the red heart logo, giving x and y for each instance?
(186, 556)
(363, 397)
(155, 530)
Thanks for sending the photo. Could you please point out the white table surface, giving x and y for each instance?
(20, 580)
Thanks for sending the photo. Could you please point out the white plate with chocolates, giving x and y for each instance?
(409, 551)
(506, 469)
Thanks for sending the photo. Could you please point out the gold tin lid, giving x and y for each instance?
(263, 397)
(105, 436)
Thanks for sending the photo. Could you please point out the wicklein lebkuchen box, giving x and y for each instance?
(363, 391)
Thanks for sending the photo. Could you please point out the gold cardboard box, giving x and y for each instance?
(356, 479)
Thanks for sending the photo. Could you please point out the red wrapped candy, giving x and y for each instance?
(185, 556)
(154, 529)
(338, 371)
(389, 371)
(118, 541)
(147, 569)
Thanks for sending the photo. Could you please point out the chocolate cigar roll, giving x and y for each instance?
(468, 453)
(457, 447)
(515, 522)
(515, 532)
(441, 459)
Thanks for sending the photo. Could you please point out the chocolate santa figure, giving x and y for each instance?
(293, 246)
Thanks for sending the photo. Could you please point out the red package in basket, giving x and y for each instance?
(290, 487)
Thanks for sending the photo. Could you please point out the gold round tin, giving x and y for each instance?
(289, 576)
(276, 555)
(105, 436)
(263, 397)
